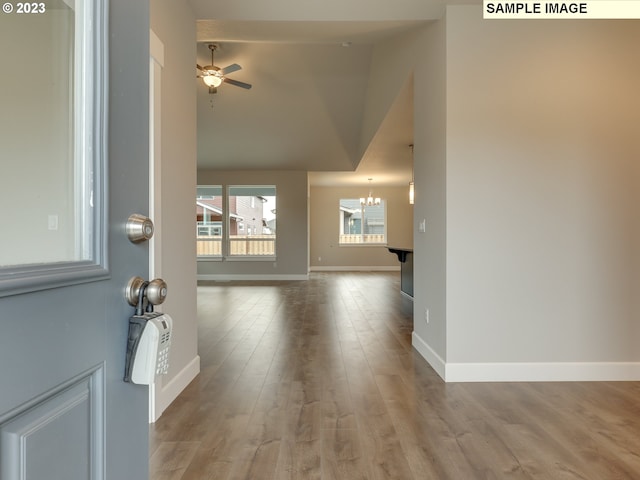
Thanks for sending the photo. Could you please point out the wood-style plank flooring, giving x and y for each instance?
(317, 380)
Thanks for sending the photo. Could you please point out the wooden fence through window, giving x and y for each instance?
(249, 245)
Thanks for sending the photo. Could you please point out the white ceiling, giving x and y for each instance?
(306, 106)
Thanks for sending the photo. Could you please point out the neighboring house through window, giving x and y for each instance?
(209, 220)
(362, 224)
(238, 224)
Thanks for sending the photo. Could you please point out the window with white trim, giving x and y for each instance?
(238, 221)
(362, 224)
(209, 220)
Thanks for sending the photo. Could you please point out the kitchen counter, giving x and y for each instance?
(405, 257)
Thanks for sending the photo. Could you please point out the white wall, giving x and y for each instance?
(542, 190)
(174, 24)
(291, 226)
(324, 225)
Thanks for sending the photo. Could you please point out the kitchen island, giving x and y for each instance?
(405, 256)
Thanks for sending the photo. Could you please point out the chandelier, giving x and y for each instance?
(370, 200)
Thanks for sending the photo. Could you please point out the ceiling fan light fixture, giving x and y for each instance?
(214, 76)
(212, 80)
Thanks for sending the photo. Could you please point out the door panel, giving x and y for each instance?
(62, 348)
(73, 412)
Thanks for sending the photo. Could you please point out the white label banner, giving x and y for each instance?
(585, 9)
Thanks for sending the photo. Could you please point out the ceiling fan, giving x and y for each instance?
(214, 76)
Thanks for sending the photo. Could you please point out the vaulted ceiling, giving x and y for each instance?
(303, 111)
(308, 97)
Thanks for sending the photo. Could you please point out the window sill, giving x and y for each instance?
(209, 259)
(248, 258)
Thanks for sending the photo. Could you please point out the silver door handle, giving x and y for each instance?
(154, 291)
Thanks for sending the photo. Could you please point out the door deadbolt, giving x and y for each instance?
(139, 228)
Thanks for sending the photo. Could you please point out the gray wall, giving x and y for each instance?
(292, 238)
(430, 174)
(325, 229)
(542, 190)
(526, 173)
(526, 140)
(174, 24)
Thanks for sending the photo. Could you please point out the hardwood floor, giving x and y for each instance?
(317, 380)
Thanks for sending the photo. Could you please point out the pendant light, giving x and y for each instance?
(411, 183)
(370, 200)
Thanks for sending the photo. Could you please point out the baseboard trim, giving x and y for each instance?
(250, 277)
(354, 269)
(543, 372)
(527, 372)
(432, 358)
(171, 390)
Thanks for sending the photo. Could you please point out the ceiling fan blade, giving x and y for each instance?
(199, 68)
(237, 83)
(231, 68)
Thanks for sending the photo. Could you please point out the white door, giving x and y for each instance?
(74, 149)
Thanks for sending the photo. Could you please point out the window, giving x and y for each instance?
(362, 224)
(54, 191)
(240, 224)
(209, 220)
(253, 209)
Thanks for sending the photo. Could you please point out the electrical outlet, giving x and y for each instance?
(426, 315)
(319, 259)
